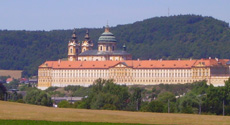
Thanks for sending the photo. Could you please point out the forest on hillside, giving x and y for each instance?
(182, 36)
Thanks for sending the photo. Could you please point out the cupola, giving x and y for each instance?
(107, 36)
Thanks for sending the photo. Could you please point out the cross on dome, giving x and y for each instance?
(107, 28)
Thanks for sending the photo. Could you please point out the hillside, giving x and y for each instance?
(183, 36)
(17, 111)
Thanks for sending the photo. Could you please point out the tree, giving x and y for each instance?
(215, 98)
(188, 103)
(71, 88)
(214, 102)
(64, 104)
(52, 88)
(227, 92)
(200, 87)
(155, 106)
(82, 105)
(98, 85)
(2, 91)
(106, 94)
(136, 97)
(13, 85)
(102, 99)
(165, 96)
(38, 97)
(168, 99)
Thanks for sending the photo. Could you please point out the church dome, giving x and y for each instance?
(107, 36)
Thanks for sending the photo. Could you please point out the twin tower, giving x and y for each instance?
(75, 47)
(83, 51)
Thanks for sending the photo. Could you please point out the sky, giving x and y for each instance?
(68, 14)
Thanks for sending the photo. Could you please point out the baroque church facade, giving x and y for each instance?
(107, 49)
(84, 65)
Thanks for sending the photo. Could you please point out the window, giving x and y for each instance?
(107, 48)
(101, 48)
(71, 50)
(113, 48)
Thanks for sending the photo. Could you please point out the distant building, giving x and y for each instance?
(56, 100)
(85, 65)
(24, 80)
(33, 82)
(8, 80)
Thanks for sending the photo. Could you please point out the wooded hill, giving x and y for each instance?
(182, 36)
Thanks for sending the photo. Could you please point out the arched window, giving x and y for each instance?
(71, 50)
(101, 48)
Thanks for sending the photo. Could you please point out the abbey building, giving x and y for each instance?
(84, 65)
(106, 49)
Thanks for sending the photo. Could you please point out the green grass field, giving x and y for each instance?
(42, 115)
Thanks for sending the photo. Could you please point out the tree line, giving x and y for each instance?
(201, 99)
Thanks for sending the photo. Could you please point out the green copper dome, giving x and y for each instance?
(107, 36)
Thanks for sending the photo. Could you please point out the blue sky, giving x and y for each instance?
(67, 14)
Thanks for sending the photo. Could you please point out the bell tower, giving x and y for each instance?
(87, 44)
(73, 47)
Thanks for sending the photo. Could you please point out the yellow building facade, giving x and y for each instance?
(132, 72)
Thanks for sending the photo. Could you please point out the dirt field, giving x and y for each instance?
(17, 111)
(16, 74)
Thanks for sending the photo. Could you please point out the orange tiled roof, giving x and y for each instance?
(9, 79)
(211, 62)
(163, 63)
(130, 63)
(78, 64)
(136, 64)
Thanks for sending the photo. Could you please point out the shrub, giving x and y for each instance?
(20, 101)
(64, 104)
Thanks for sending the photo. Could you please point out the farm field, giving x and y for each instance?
(18, 111)
(30, 122)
